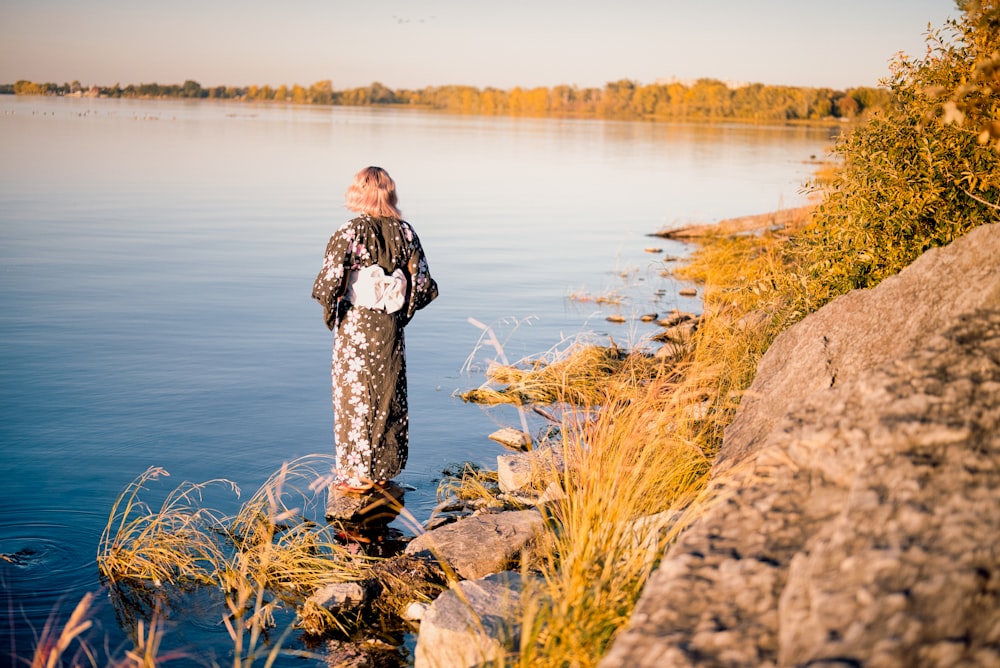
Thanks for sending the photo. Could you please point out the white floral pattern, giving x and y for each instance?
(371, 420)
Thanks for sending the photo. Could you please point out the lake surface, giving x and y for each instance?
(156, 262)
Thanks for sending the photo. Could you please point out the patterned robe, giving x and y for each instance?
(369, 353)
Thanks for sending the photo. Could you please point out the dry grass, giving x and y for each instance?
(749, 299)
(281, 557)
(641, 461)
(267, 555)
(580, 375)
(173, 544)
(54, 644)
(469, 483)
(630, 471)
(609, 297)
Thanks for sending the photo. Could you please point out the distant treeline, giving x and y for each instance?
(704, 99)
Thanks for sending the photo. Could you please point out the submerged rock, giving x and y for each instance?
(363, 508)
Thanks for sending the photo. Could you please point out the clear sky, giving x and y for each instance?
(499, 43)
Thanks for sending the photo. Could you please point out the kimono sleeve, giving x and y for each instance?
(422, 289)
(329, 285)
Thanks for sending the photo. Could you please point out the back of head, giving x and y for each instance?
(373, 192)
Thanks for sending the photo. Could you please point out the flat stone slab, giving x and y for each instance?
(512, 438)
(481, 544)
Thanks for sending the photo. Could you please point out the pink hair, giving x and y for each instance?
(373, 192)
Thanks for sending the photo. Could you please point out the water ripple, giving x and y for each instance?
(47, 561)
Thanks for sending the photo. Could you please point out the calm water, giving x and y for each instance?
(156, 260)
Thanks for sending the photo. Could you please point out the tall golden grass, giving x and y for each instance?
(641, 445)
(165, 546)
(266, 555)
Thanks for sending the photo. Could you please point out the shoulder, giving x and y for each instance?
(408, 233)
(350, 228)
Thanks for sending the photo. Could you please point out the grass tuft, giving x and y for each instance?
(173, 544)
(581, 375)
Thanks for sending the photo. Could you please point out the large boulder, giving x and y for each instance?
(865, 328)
(481, 544)
(855, 512)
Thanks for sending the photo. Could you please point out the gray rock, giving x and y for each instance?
(512, 438)
(481, 544)
(856, 520)
(329, 605)
(865, 530)
(680, 333)
(369, 653)
(341, 596)
(475, 623)
(415, 611)
(865, 328)
(533, 469)
(676, 317)
(530, 497)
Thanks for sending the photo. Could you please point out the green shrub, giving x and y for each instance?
(919, 174)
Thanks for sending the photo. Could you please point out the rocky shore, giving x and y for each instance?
(856, 512)
(853, 515)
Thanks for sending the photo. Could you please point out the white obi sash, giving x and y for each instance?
(373, 288)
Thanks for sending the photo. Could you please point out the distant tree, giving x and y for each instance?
(706, 99)
(191, 89)
(492, 101)
(380, 94)
(23, 87)
(321, 92)
(847, 106)
(617, 99)
(822, 105)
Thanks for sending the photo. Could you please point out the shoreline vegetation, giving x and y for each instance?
(642, 439)
(701, 100)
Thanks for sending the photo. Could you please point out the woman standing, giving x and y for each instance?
(374, 278)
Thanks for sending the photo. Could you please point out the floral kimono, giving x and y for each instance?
(374, 278)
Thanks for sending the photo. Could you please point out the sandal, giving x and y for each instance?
(366, 487)
(346, 488)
